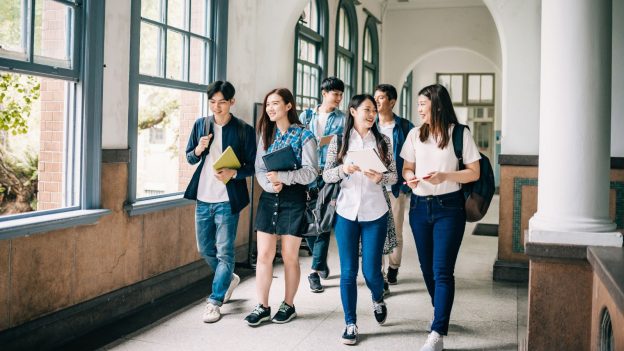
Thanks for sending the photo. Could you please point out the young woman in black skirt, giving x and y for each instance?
(282, 202)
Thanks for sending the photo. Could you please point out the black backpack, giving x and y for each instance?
(478, 194)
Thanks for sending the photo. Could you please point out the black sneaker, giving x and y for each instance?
(315, 283)
(324, 273)
(386, 291)
(392, 275)
(258, 315)
(349, 336)
(381, 311)
(285, 314)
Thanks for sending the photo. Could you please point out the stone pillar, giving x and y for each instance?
(575, 121)
(574, 166)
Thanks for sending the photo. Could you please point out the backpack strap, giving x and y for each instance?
(209, 127)
(458, 143)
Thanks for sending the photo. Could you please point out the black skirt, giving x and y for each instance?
(282, 213)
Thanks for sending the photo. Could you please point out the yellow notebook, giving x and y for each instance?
(227, 159)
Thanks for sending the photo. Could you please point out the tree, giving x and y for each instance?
(17, 94)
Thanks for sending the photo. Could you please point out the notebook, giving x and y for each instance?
(281, 160)
(227, 159)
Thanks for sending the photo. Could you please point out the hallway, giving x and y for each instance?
(487, 315)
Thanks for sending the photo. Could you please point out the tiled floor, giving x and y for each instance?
(486, 315)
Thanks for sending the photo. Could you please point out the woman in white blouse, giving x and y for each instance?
(437, 215)
(362, 209)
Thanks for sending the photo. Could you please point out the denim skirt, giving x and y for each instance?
(282, 213)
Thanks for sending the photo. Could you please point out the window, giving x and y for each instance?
(175, 55)
(346, 49)
(469, 88)
(370, 60)
(50, 112)
(406, 98)
(310, 53)
(454, 83)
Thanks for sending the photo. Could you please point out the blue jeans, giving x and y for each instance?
(348, 236)
(215, 229)
(319, 245)
(438, 224)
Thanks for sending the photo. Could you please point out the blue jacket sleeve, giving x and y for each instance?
(192, 144)
(249, 158)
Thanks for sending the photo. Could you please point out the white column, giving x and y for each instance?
(575, 119)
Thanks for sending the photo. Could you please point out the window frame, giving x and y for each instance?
(406, 98)
(85, 117)
(465, 86)
(371, 27)
(349, 7)
(319, 39)
(216, 70)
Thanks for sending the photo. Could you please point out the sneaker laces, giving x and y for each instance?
(258, 310)
(378, 306)
(351, 329)
(284, 307)
(433, 338)
(210, 308)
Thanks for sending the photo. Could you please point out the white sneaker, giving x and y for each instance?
(233, 284)
(211, 313)
(434, 342)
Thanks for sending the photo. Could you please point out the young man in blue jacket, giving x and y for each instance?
(325, 120)
(396, 128)
(220, 194)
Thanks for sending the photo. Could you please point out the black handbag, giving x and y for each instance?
(320, 212)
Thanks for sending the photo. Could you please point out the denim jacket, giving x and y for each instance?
(398, 139)
(335, 125)
(244, 149)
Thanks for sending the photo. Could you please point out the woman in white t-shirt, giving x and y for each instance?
(437, 215)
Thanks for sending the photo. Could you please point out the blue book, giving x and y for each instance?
(281, 160)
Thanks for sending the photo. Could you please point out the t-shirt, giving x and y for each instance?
(211, 189)
(321, 122)
(428, 158)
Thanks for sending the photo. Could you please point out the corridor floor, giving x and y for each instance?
(487, 315)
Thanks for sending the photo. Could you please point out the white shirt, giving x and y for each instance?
(388, 130)
(428, 158)
(360, 198)
(211, 189)
(321, 123)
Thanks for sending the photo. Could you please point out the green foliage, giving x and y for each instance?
(17, 95)
(157, 110)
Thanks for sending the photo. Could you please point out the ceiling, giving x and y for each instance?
(425, 4)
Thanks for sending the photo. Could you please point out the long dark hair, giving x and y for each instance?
(355, 102)
(265, 126)
(442, 115)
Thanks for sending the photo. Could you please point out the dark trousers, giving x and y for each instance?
(319, 245)
(438, 224)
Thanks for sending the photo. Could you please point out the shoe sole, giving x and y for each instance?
(230, 290)
(286, 320)
(382, 322)
(317, 291)
(392, 283)
(212, 320)
(349, 341)
(260, 321)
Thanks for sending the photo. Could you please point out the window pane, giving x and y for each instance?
(311, 53)
(176, 13)
(313, 16)
(13, 29)
(151, 9)
(474, 88)
(368, 53)
(197, 73)
(299, 78)
(487, 88)
(33, 147)
(149, 57)
(303, 49)
(457, 88)
(53, 23)
(162, 166)
(341, 28)
(175, 55)
(198, 17)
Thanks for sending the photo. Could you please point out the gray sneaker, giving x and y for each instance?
(315, 283)
(233, 284)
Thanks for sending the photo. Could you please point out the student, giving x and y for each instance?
(218, 205)
(437, 216)
(362, 210)
(324, 120)
(282, 203)
(396, 129)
